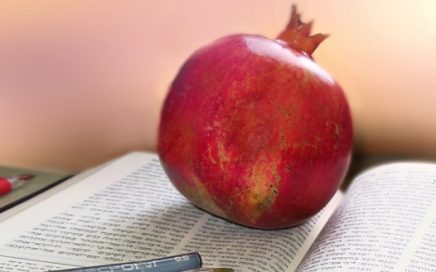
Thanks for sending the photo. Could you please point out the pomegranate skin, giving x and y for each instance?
(255, 132)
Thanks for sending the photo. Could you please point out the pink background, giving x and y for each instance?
(83, 81)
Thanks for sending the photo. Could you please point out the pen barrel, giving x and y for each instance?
(175, 263)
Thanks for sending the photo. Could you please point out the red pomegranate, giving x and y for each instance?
(254, 131)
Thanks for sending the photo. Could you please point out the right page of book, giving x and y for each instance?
(387, 222)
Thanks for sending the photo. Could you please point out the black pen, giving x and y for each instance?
(182, 262)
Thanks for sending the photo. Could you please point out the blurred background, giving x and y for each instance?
(83, 81)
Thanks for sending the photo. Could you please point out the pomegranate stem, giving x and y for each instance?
(297, 34)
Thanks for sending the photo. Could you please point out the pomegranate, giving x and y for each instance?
(254, 131)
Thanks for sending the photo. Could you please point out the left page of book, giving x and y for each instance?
(128, 210)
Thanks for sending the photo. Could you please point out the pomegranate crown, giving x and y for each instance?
(297, 34)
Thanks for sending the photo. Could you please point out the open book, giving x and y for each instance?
(128, 210)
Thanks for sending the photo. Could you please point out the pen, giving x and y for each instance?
(177, 263)
(8, 184)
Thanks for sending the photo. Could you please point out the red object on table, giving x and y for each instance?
(5, 186)
(8, 184)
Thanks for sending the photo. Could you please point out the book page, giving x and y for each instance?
(387, 222)
(130, 211)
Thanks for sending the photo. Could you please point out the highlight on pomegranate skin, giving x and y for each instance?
(254, 131)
